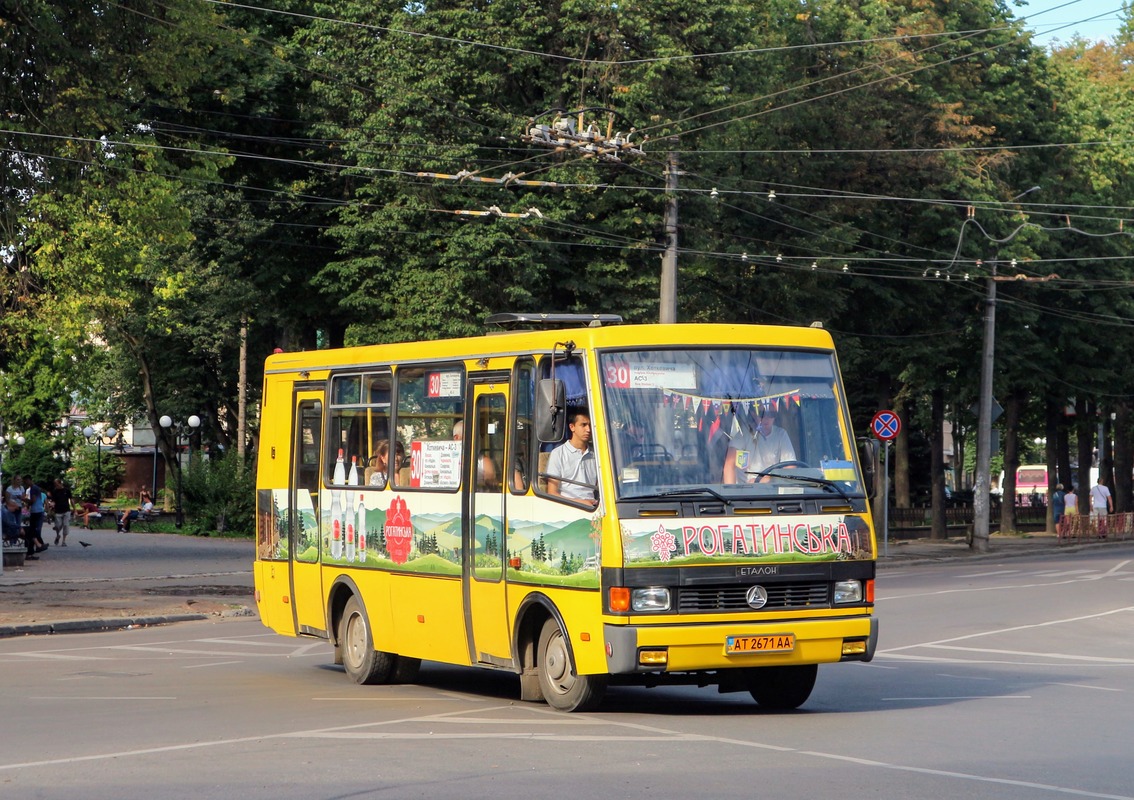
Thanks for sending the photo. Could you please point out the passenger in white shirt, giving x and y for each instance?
(750, 453)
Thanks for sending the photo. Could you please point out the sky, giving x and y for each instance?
(1060, 13)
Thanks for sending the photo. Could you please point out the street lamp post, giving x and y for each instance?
(98, 439)
(181, 430)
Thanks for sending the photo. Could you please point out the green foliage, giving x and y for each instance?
(219, 495)
(38, 458)
(135, 245)
(87, 464)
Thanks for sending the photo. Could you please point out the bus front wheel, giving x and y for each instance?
(362, 662)
(781, 688)
(563, 688)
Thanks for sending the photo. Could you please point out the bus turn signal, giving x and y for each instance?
(619, 598)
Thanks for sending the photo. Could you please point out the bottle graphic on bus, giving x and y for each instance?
(360, 530)
(352, 476)
(338, 478)
(336, 526)
(349, 536)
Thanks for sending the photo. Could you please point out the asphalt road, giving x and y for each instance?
(120, 577)
(997, 678)
(123, 579)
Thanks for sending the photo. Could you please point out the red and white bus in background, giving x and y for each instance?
(1031, 479)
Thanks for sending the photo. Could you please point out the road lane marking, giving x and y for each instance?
(1111, 573)
(1013, 629)
(383, 698)
(1084, 686)
(973, 662)
(998, 588)
(965, 697)
(225, 640)
(178, 651)
(1055, 573)
(1114, 570)
(1063, 656)
(660, 735)
(213, 664)
(56, 656)
(989, 574)
(967, 776)
(129, 699)
(963, 677)
(558, 737)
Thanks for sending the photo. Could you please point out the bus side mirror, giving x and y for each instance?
(550, 410)
(868, 460)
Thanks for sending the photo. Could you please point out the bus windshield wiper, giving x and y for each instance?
(690, 491)
(788, 475)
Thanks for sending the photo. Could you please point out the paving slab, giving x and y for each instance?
(105, 579)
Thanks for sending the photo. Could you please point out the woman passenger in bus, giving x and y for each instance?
(380, 469)
(379, 465)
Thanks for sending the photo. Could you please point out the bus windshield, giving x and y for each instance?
(730, 422)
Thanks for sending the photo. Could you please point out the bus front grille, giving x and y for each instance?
(734, 598)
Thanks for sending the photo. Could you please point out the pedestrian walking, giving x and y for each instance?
(62, 500)
(37, 509)
(1071, 504)
(1058, 504)
(1102, 504)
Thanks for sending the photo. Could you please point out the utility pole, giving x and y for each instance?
(242, 390)
(668, 304)
(983, 481)
(569, 133)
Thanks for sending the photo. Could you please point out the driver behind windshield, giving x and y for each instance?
(752, 451)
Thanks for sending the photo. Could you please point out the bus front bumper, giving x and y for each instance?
(693, 648)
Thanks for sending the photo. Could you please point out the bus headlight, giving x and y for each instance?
(848, 592)
(651, 598)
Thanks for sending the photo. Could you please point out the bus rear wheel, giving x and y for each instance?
(781, 688)
(563, 688)
(362, 662)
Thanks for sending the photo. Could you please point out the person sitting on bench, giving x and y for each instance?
(87, 512)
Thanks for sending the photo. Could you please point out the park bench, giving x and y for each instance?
(14, 555)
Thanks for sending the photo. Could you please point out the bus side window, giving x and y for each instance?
(430, 400)
(359, 419)
(523, 431)
(304, 503)
(570, 371)
(377, 391)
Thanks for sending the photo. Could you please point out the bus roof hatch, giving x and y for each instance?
(513, 320)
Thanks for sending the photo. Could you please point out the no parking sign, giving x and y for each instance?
(886, 425)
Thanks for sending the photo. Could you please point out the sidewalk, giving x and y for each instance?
(123, 579)
(912, 551)
(126, 579)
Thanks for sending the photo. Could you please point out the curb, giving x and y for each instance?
(88, 625)
(963, 554)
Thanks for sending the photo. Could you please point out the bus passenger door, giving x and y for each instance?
(484, 541)
(306, 574)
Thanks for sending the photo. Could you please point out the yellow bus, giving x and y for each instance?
(438, 500)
